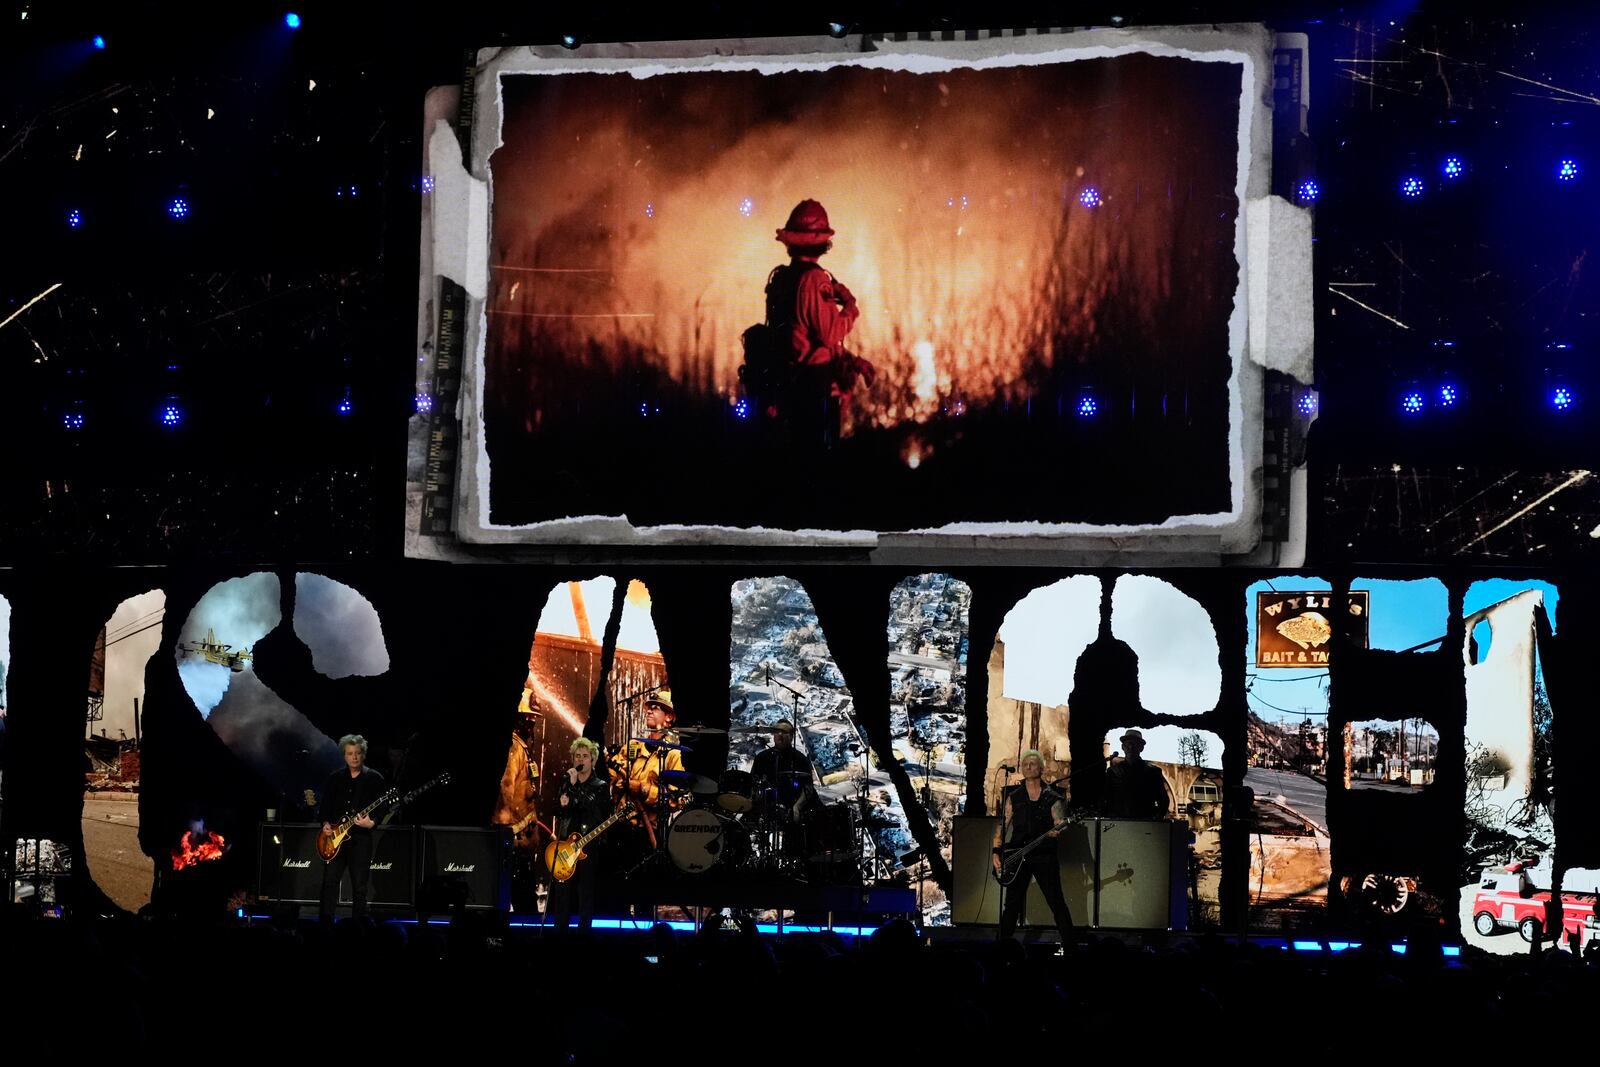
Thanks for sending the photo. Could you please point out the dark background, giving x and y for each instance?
(279, 292)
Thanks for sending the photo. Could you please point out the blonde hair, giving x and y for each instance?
(1032, 753)
(585, 745)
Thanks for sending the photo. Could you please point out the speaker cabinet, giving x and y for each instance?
(977, 894)
(290, 870)
(1140, 866)
(464, 866)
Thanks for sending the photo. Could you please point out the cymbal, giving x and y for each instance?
(651, 742)
(698, 784)
(705, 731)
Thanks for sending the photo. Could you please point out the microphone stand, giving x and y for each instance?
(1005, 830)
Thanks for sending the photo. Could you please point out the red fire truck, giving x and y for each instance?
(1510, 900)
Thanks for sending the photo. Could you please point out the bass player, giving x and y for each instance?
(348, 791)
(1033, 810)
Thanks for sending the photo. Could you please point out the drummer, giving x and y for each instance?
(787, 771)
(639, 771)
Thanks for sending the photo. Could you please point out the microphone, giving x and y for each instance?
(1009, 767)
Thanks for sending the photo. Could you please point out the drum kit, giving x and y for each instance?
(750, 823)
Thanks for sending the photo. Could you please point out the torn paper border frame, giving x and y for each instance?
(1269, 325)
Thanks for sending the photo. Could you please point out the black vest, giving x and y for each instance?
(1030, 818)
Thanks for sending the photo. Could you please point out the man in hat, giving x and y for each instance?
(1136, 789)
(809, 315)
(787, 771)
(645, 760)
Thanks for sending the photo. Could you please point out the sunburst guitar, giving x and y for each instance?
(561, 856)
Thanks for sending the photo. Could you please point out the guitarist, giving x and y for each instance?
(585, 803)
(1034, 810)
(347, 791)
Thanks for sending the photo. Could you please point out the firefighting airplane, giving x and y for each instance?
(213, 651)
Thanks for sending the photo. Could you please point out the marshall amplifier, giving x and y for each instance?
(466, 867)
(291, 871)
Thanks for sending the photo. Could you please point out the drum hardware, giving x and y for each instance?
(654, 744)
(697, 784)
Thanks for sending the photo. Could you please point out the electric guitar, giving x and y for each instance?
(561, 856)
(1011, 865)
(329, 842)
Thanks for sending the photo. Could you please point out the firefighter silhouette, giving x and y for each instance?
(797, 373)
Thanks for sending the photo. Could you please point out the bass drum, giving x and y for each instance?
(700, 839)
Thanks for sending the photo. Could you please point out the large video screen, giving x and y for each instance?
(910, 279)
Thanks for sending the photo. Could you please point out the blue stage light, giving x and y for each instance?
(1567, 170)
(1308, 191)
(1087, 406)
(1448, 395)
(1452, 167)
(1306, 403)
(171, 414)
(570, 40)
(99, 41)
(1562, 397)
(424, 403)
(72, 420)
(344, 407)
(1090, 197)
(292, 21)
(747, 207)
(74, 218)
(178, 208)
(1411, 187)
(427, 183)
(741, 410)
(1411, 402)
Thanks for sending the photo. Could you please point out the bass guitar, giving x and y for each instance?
(561, 856)
(1011, 862)
(329, 842)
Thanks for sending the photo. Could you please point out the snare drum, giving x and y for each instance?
(700, 838)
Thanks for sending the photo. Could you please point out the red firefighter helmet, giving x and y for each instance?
(807, 225)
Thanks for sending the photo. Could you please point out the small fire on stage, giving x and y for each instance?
(197, 847)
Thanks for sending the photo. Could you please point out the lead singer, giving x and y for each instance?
(1033, 810)
(585, 803)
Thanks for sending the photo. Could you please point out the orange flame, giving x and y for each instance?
(194, 850)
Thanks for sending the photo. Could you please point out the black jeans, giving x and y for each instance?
(1045, 870)
(580, 885)
(357, 856)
